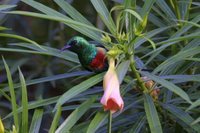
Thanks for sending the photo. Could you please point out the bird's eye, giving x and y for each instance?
(73, 42)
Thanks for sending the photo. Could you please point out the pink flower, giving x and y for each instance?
(111, 99)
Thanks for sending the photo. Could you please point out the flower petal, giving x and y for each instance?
(111, 99)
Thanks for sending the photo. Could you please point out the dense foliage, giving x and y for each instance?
(156, 45)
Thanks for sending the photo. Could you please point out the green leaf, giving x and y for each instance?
(3, 28)
(55, 122)
(100, 7)
(80, 128)
(12, 94)
(186, 27)
(183, 78)
(178, 57)
(36, 121)
(168, 43)
(147, 7)
(80, 27)
(165, 8)
(20, 38)
(138, 125)
(193, 59)
(189, 22)
(156, 20)
(180, 114)
(70, 56)
(169, 86)
(19, 50)
(150, 41)
(44, 9)
(122, 70)
(52, 13)
(140, 40)
(17, 64)
(5, 95)
(134, 13)
(52, 78)
(151, 114)
(99, 118)
(72, 12)
(24, 127)
(194, 104)
(36, 104)
(75, 116)
(5, 7)
(196, 121)
(74, 91)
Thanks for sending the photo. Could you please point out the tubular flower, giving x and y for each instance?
(111, 99)
(1, 127)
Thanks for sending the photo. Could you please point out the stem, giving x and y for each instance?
(172, 3)
(188, 10)
(137, 75)
(176, 7)
(110, 122)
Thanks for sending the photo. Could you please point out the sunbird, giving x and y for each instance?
(92, 58)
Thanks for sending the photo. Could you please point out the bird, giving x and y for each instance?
(92, 58)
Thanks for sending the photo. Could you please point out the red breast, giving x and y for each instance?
(100, 60)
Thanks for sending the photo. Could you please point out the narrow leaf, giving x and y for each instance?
(196, 121)
(150, 41)
(134, 13)
(182, 78)
(80, 27)
(36, 121)
(12, 94)
(122, 70)
(20, 38)
(180, 114)
(165, 8)
(72, 12)
(70, 56)
(53, 78)
(75, 116)
(44, 9)
(193, 59)
(178, 57)
(151, 114)
(56, 118)
(147, 7)
(5, 7)
(138, 125)
(189, 22)
(99, 118)
(194, 104)
(36, 104)
(169, 86)
(79, 88)
(3, 28)
(24, 103)
(100, 7)
(50, 12)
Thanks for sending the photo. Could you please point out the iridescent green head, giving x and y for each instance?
(75, 44)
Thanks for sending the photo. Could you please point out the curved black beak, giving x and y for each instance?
(65, 48)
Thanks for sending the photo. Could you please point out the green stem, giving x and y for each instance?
(188, 10)
(137, 75)
(110, 122)
(172, 3)
(176, 7)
